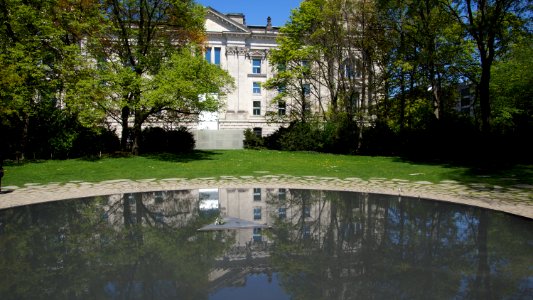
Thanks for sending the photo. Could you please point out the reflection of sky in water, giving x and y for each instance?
(257, 287)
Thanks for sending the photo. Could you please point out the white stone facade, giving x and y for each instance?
(242, 51)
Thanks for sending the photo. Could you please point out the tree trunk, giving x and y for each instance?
(482, 281)
(24, 138)
(126, 214)
(137, 131)
(402, 85)
(484, 96)
(438, 100)
(365, 96)
(125, 128)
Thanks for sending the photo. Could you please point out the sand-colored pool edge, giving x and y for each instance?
(517, 200)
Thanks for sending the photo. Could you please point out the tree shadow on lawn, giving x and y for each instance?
(183, 157)
(14, 163)
(494, 171)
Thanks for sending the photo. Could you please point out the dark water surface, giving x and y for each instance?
(320, 245)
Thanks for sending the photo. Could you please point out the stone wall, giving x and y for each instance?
(218, 139)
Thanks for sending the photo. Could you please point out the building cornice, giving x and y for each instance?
(241, 30)
(221, 17)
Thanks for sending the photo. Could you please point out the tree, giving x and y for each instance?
(490, 24)
(141, 36)
(39, 55)
(328, 54)
(294, 57)
(427, 57)
(361, 73)
(184, 85)
(510, 88)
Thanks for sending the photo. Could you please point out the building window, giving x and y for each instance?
(217, 56)
(131, 199)
(351, 70)
(158, 197)
(257, 108)
(257, 194)
(282, 108)
(348, 71)
(256, 66)
(257, 213)
(282, 213)
(257, 235)
(465, 97)
(159, 217)
(306, 231)
(354, 100)
(208, 54)
(305, 67)
(256, 88)
(307, 212)
(258, 131)
(282, 194)
(306, 87)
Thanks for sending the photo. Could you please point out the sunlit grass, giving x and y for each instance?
(251, 163)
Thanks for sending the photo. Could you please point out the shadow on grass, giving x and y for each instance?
(183, 157)
(14, 163)
(491, 171)
(504, 175)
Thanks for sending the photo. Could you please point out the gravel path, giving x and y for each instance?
(517, 199)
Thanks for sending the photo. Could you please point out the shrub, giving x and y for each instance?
(301, 137)
(379, 139)
(252, 140)
(180, 140)
(340, 136)
(273, 141)
(153, 139)
(156, 139)
(93, 142)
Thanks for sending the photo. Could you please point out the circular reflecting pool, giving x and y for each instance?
(262, 244)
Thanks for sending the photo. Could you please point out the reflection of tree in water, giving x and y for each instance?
(502, 267)
(373, 246)
(121, 247)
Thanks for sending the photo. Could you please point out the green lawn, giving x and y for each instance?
(253, 163)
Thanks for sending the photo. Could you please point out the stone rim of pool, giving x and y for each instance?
(515, 200)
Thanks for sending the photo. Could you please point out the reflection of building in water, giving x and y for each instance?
(310, 210)
(313, 214)
(250, 253)
(173, 208)
(249, 205)
(343, 219)
(309, 215)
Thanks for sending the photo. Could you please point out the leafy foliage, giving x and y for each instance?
(512, 79)
(70, 65)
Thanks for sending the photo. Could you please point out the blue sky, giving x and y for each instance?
(256, 11)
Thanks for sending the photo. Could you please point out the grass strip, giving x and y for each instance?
(255, 163)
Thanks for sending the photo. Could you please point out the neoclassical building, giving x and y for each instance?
(241, 50)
